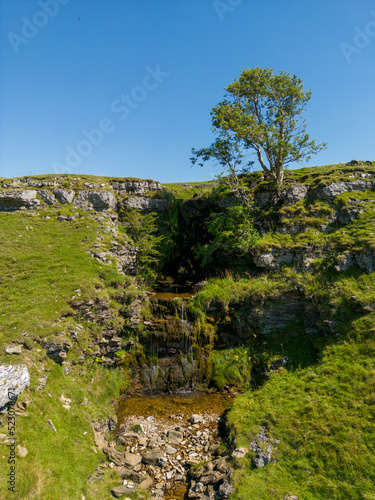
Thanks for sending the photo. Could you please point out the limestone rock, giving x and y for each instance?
(47, 197)
(22, 452)
(13, 380)
(64, 195)
(146, 204)
(14, 349)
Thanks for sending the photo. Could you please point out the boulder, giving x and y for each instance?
(13, 380)
(64, 195)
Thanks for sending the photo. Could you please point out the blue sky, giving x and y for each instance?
(125, 87)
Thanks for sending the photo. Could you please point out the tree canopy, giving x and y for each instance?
(262, 114)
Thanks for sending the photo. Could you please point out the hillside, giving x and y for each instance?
(289, 324)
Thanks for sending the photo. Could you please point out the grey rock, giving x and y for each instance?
(337, 188)
(344, 262)
(64, 195)
(99, 200)
(146, 204)
(175, 437)
(47, 197)
(13, 380)
(169, 450)
(226, 489)
(365, 262)
(12, 200)
(50, 423)
(120, 491)
(13, 349)
(295, 193)
(135, 187)
(290, 497)
(196, 419)
(261, 445)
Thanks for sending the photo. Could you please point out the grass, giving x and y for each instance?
(323, 416)
(44, 264)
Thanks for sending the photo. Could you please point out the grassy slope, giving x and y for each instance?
(42, 263)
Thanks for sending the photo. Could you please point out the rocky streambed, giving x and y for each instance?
(169, 445)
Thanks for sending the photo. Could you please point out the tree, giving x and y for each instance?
(262, 114)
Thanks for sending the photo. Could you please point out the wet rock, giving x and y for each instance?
(175, 437)
(196, 419)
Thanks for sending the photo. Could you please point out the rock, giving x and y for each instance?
(295, 193)
(47, 197)
(146, 484)
(240, 452)
(99, 200)
(132, 459)
(211, 477)
(117, 457)
(261, 445)
(175, 437)
(196, 419)
(125, 472)
(119, 491)
(152, 457)
(278, 363)
(13, 380)
(337, 188)
(14, 349)
(290, 497)
(63, 195)
(146, 204)
(226, 489)
(50, 423)
(135, 187)
(169, 450)
(22, 452)
(13, 200)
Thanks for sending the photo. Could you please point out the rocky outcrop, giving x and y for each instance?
(264, 448)
(98, 200)
(13, 380)
(14, 200)
(145, 204)
(135, 187)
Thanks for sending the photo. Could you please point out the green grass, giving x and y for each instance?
(324, 418)
(43, 263)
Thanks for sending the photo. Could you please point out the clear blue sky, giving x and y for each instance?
(146, 73)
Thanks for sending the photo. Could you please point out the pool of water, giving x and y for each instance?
(165, 406)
